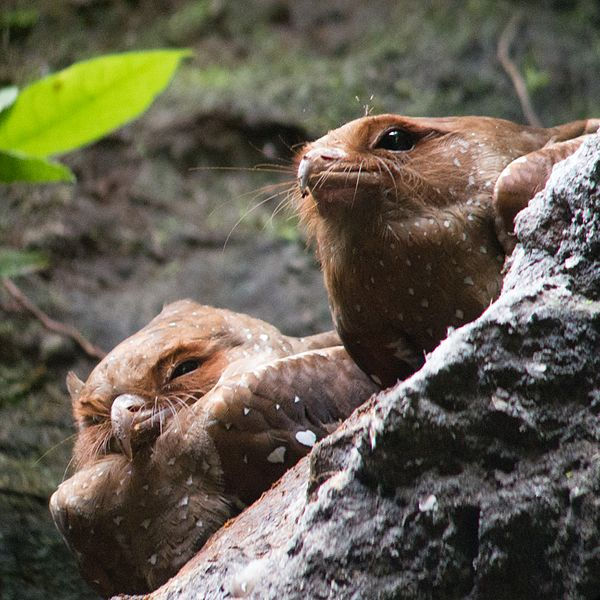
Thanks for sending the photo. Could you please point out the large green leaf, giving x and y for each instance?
(20, 262)
(85, 101)
(16, 166)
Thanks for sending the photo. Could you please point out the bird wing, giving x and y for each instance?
(521, 180)
(263, 421)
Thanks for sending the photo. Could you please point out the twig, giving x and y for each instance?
(503, 50)
(51, 324)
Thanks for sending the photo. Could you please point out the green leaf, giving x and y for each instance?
(20, 262)
(8, 95)
(85, 101)
(16, 166)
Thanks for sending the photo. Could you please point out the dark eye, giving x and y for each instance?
(185, 367)
(397, 140)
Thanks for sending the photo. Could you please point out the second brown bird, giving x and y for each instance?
(184, 424)
(412, 219)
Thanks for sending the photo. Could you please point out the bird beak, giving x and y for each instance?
(316, 160)
(303, 175)
(122, 414)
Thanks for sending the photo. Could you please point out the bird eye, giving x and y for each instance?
(185, 367)
(397, 140)
(92, 420)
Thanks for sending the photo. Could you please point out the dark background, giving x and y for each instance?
(153, 216)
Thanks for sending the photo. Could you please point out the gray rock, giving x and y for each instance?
(479, 477)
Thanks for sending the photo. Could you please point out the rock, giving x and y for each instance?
(479, 477)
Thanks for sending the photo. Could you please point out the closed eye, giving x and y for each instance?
(184, 367)
(397, 140)
(92, 420)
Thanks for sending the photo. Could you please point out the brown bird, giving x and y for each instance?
(412, 219)
(181, 426)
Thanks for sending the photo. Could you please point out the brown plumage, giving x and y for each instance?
(412, 219)
(184, 424)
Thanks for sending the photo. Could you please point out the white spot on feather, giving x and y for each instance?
(277, 456)
(306, 438)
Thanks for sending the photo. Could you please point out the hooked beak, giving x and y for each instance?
(122, 414)
(314, 162)
(303, 175)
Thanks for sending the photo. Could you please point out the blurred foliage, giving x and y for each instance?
(20, 372)
(535, 79)
(67, 110)
(20, 262)
(74, 107)
(18, 381)
(19, 19)
(305, 63)
(191, 21)
(17, 166)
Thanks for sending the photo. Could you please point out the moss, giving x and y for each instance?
(20, 371)
(18, 380)
(430, 59)
(190, 21)
(18, 19)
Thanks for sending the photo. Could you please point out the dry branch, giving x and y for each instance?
(503, 53)
(51, 324)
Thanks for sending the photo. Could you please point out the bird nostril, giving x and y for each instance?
(128, 402)
(325, 154)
